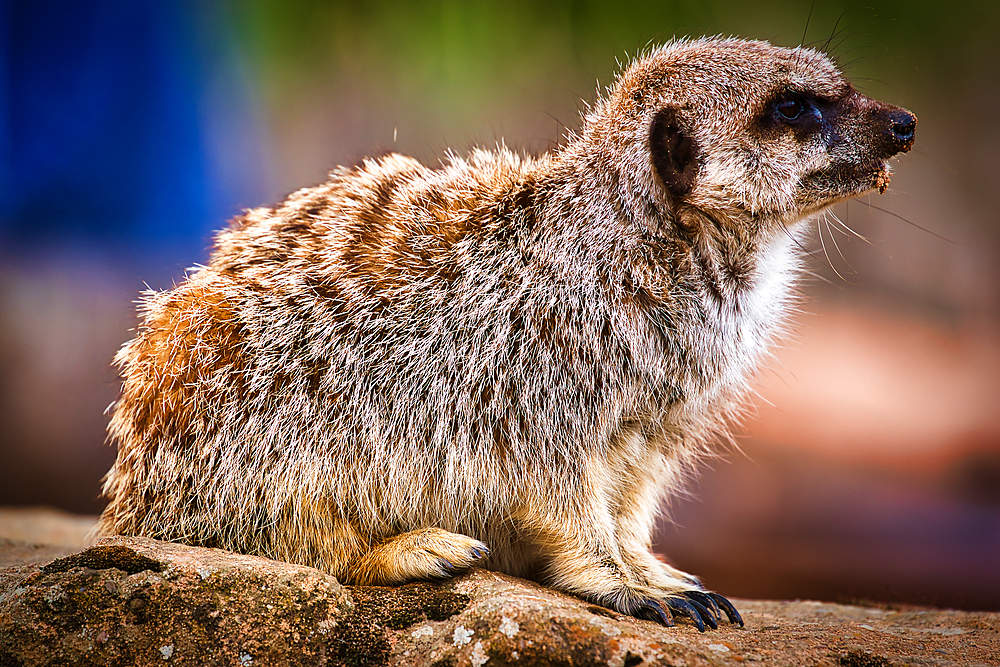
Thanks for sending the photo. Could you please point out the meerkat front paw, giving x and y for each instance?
(678, 592)
(701, 607)
(428, 553)
(642, 586)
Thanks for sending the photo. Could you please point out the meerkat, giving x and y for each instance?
(508, 361)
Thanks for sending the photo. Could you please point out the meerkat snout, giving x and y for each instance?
(902, 125)
(508, 360)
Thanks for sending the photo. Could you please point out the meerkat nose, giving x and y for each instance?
(902, 124)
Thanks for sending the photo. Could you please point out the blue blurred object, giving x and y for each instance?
(128, 134)
(107, 115)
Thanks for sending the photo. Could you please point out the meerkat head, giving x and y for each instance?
(752, 131)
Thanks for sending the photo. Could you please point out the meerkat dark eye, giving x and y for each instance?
(790, 109)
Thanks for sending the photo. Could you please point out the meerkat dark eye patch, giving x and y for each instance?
(674, 152)
(789, 109)
(801, 113)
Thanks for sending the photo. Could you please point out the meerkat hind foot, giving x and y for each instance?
(427, 553)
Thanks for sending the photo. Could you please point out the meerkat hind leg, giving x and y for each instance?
(427, 553)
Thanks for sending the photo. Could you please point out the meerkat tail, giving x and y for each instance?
(429, 553)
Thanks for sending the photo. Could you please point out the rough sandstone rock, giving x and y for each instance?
(133, 601)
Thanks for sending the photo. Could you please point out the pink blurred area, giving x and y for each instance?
(872, 386)
(870, 471)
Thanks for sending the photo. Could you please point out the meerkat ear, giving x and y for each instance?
(674, 152)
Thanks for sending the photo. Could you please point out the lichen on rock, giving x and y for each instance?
(139, 601)
(136, 601)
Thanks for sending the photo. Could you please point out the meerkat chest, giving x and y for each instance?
(738, 324)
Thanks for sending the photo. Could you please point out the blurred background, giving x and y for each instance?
(131, 130)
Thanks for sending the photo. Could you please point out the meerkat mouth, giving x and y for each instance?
(836, 183)
(882, 178)
(825, 188)
(874, 176)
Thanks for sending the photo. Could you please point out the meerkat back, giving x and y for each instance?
(508, 361)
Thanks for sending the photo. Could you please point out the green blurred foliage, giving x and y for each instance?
(462, 49)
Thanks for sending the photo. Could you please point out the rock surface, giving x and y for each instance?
(49, 526)
(134, 601)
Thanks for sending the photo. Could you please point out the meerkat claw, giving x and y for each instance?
(656, 611)
(450, 569)
(441, 570)
(706, 614)
(706, 600)
(727, 606)
(686, 608)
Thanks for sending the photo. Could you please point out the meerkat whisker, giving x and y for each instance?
(805, 30)
(909, 222)
(833, 239)
(829, 260)
(847, 229)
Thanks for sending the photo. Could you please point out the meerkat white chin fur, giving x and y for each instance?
(507, 361)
